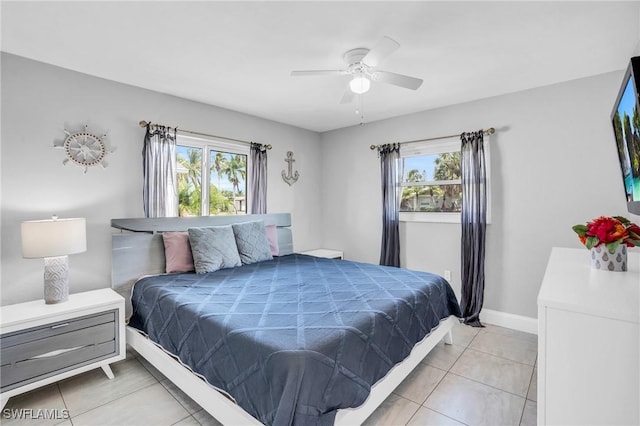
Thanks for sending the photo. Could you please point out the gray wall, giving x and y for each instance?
(39, 100)
(554, 164)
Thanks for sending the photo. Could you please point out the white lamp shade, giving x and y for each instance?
(360, 84)
(53, 237)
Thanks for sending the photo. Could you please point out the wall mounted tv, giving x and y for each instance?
(625, 118)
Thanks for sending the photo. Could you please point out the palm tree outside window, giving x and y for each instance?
(431, 183)
(224, 166)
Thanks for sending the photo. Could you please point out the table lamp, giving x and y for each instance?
(53, 240)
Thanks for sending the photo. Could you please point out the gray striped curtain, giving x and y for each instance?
(390, 174)
(474, 222)
(258, 178)
(160, 192)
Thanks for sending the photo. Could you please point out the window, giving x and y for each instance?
(431, 181)
(224, 165)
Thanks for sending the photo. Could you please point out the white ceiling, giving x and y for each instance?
(238, 55)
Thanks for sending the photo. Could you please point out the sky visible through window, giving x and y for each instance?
(221, 180)
(224, 182)
(424, 164)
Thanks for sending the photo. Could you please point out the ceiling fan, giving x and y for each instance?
(362, 65)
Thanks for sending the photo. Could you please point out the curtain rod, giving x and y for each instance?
(145, 123)
(489, 131)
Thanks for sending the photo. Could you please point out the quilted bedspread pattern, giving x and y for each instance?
(295, 338)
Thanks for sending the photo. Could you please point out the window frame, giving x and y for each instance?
(207, 145)
(416, 149)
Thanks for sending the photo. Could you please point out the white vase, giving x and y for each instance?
(609, 260)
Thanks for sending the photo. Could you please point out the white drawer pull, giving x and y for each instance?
(53, 327)
(58, 352)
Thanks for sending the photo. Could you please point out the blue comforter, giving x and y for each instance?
(295, 338)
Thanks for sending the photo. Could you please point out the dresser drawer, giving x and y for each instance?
(53, 329)
(32, 354)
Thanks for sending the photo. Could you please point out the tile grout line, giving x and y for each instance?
(434, 388)
(491, 386)
(446, 415)
(149, 370)
(473, 338)
(178, 401)
(406, 399)
(198, 421)
(181, 420)
(464, 348)
(501, 357)
(64, 402)
(120, 397)
(447, 371)
(522, 414)
(530, 382)
(511, 333)
(412, 416)
(506, 335)
(441, 379)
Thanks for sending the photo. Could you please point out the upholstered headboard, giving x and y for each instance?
(137, 250)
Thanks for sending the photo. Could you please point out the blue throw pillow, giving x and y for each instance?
(213, 248)
(252, 242)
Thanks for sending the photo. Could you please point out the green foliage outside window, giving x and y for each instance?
(433, 198)
(227, 182)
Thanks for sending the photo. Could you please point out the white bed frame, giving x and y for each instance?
(141, 253)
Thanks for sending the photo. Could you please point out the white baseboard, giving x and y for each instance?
(515, 322)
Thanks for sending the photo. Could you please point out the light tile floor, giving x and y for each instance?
(487, 377)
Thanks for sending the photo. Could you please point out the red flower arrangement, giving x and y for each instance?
(610, 231)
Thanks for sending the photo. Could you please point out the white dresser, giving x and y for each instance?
(588, 342)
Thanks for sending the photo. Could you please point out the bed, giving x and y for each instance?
(292, 340)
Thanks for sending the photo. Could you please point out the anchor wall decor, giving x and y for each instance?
(291, 177)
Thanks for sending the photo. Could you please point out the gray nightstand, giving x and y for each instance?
(41, 344)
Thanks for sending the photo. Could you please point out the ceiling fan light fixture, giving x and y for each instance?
(360, 84)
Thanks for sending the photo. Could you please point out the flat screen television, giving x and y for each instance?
(625, 118)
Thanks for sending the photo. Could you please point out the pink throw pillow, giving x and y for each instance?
(177, 252)
(272, 237)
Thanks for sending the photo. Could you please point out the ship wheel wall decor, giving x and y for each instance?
(84, 148)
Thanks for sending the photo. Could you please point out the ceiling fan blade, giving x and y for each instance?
(318, 72)
(347, 97)
(397, 79)
(385, 47)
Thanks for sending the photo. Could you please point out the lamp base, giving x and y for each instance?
(56, 279)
